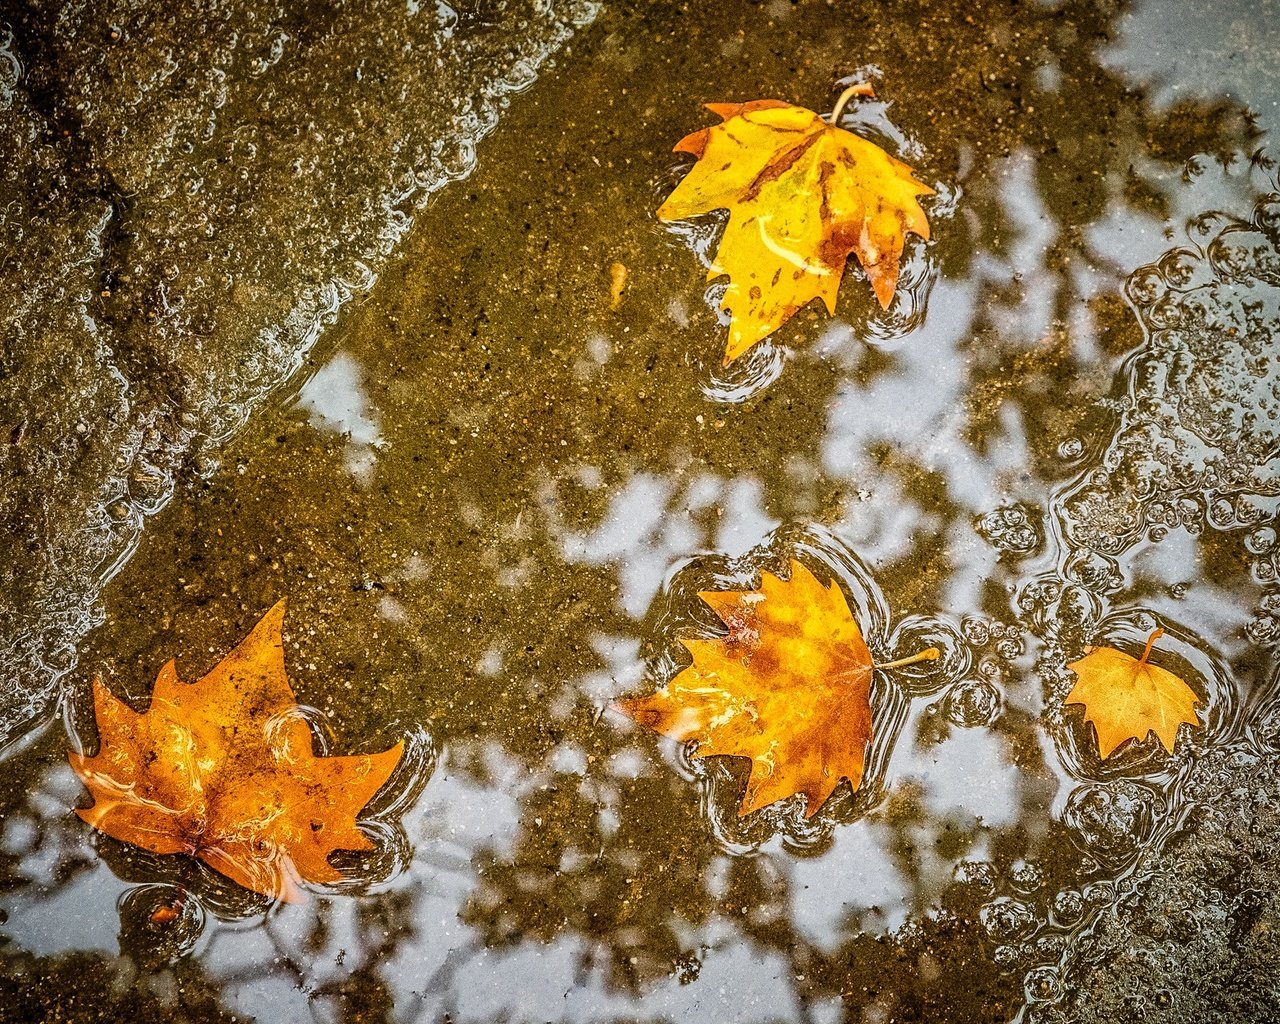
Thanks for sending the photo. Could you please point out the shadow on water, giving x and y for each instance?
(492, 500)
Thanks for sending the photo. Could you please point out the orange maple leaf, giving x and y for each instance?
(223, 769)
(802, 195)
(789, 687)
(1128, 698)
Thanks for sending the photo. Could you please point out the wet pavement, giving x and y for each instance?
(491, 498)
(192, 195)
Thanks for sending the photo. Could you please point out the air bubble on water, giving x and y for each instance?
(1145, 286)
(1006, 918)
(1007, 957)
(1076, 610)
(1062, 612)
(1026, 876)
(980, 874)
(1068, 906)
(1263, 570)
(1070, 449)
(1201, 415)
(1015, 529)
(1095, 572)
(1043, 1013)
(1238, 252)
(1184, 269)
(1266, 216)
(976, 630)
(972, 703)
(1261, 543)
(1112, 821)
(1037, 594)
(1042, 985)
(1050, 947)
(1263, 629)
(1100, 894)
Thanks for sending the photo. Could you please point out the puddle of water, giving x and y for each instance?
(493, 500)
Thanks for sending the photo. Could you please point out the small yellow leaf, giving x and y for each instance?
(802, 195)
(1127, 698)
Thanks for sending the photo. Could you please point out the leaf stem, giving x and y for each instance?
(1146, 651)
(857, 89)
(928, 654)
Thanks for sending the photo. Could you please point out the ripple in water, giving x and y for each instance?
(1112, 821)
(888, 328)
(160, 923)
(747, 375)
(891, 692)
(202, 897)
(1202, 417)
(972, 703)
(392, 852)
(1181, 652)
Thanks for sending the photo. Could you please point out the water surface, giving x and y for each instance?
(491, 499)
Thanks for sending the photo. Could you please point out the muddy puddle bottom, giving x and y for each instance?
(491, 499)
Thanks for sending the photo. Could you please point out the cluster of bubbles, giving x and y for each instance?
(976, 698)
(1015, 528)
(1024, 919)
(1190, 453)
(1113, 820)
(1202, 417)
(1264, 628)
(1030, 924)
(1183, 904)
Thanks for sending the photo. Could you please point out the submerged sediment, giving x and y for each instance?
(191, 193)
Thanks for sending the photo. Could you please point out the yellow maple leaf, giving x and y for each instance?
(789, 686)
(223, 769)
(1127, 698)
(802, 195)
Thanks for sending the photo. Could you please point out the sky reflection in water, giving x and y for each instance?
(565, 866)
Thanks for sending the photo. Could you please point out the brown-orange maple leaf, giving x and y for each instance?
(789, 686)
(223, 769)
(1128, 698)
(802, 194)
